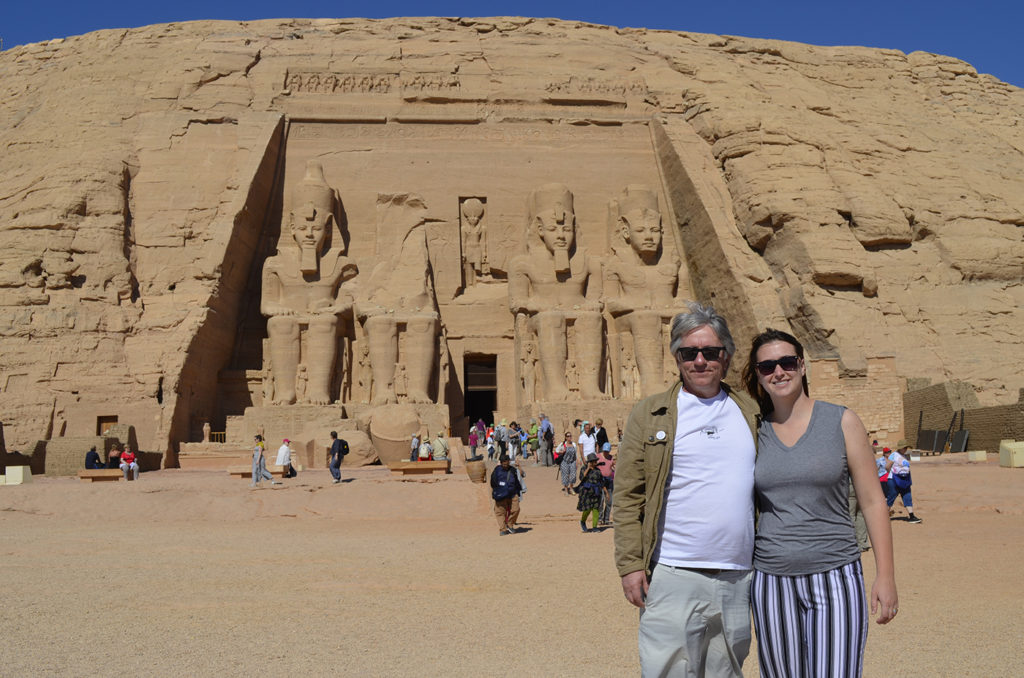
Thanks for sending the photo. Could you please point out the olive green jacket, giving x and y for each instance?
(641, 471)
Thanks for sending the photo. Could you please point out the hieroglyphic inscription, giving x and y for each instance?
(483, 132)
(368, 83)
(577, 85)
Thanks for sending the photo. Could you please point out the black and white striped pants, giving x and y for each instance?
(810, 626)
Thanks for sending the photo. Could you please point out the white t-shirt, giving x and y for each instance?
(588, 444)
(708, 515)
(284, 455)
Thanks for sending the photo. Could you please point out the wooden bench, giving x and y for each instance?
(92, 475)
(406, 468)
(245, 470)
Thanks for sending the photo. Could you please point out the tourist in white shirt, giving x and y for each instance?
(587, 443)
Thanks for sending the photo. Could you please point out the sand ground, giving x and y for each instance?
(191, 572)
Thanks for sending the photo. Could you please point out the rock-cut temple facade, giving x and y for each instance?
(384, 226)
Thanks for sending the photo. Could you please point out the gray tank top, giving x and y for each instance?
(802, 492)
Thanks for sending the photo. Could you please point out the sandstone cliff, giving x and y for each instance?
(868, 198)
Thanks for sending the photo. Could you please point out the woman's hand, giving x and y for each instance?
(884, 600)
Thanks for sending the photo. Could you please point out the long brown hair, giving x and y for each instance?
(750, 371)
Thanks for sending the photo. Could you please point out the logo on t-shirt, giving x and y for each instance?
(710, 432)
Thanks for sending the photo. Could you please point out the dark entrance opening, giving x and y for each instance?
(481, 396)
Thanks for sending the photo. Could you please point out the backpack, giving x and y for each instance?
(344, 447)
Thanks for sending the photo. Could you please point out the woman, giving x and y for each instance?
(567, 463)
(807, 594)
(259, 464)
(591, 488)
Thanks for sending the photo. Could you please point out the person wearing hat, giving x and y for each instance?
(590, 489)
(284, 458)
(505, 491)
(898, 466)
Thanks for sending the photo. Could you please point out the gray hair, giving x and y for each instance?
(699, 316)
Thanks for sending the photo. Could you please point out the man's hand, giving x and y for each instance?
(634, 587)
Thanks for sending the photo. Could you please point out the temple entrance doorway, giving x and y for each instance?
(481, 395)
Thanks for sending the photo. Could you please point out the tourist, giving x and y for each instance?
(606, 465)
(426, 451)
(600, 434)
(505, 491)
(414, 447)
(474, 440)
(588, 443)
(567, 463)
(339, 448)
(440, 447)
(684, 514)
(284, 459)
(533, 440)
(590, 490)
(92, 459)
(501, 437)
(515, 441)
(259, 464)
(899, 481)
(807, 596)
(546, 440)
(128, 463)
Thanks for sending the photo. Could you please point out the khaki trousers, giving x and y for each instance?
(507, 512)
(695, 624)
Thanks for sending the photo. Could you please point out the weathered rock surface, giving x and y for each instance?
(869, 199)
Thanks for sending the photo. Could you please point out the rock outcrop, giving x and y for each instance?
(868, 199)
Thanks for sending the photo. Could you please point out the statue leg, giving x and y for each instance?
(589, 358)
(283, 336)
(321, 342)
(551, 349)
(382, 339)
(648, 350)
(420, 356)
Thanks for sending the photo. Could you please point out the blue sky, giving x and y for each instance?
(984, 33)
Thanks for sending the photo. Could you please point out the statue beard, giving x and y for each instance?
(561, 259)
(309, 260)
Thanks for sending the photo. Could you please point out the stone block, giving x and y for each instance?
(1011, 454)
(977, 455)
(18, 475)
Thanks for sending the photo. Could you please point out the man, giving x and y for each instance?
(440, 446)
(339, 448)
(587, 443)
(684, 514)
(284, 458)
(505, 490)
(92, 459)
(414, 451)
(600, 434)
(128, 463)
(546, 440)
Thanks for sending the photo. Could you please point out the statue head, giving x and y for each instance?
(312, 215)
(639, 220)
(473, 211)
(553, 219)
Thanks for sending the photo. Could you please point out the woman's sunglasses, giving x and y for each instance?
(787, 362)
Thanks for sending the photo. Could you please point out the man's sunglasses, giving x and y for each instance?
(787, 362)
(710, 353)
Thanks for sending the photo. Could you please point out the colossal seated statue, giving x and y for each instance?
(400, 296)
(302, 295)
(555, 284)
(642, 280)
